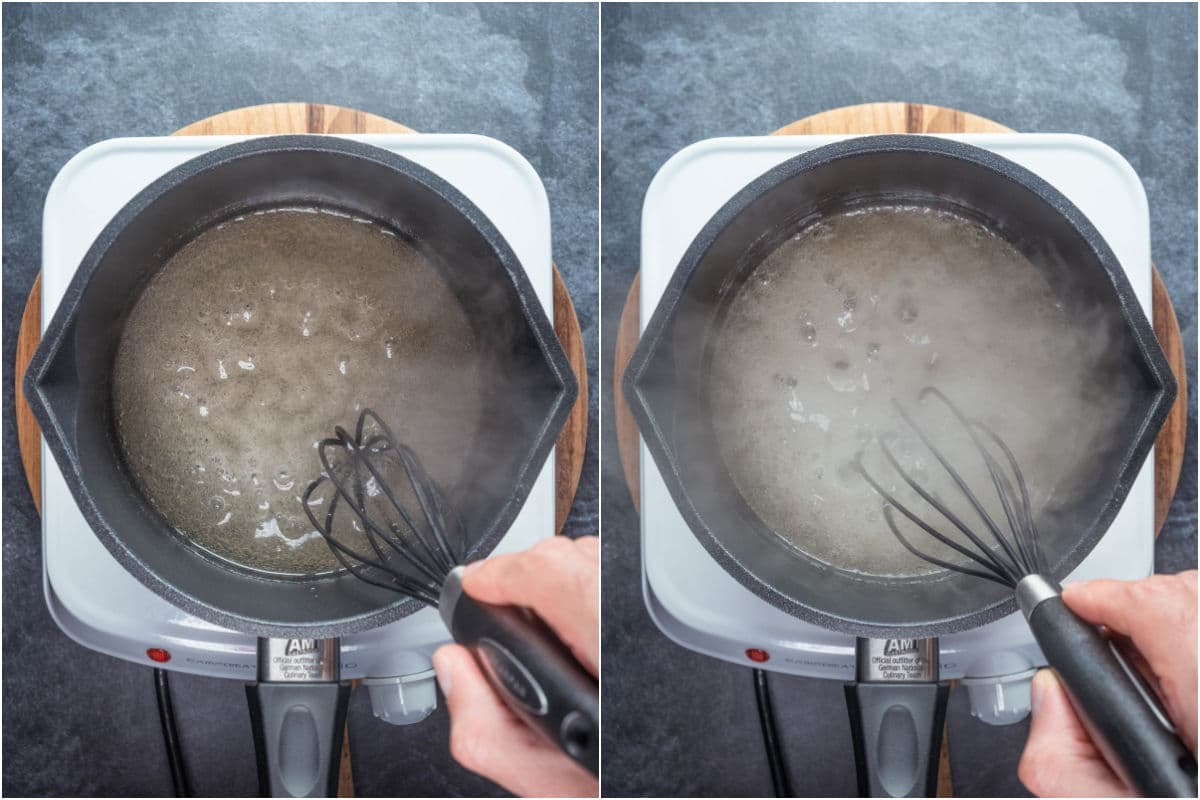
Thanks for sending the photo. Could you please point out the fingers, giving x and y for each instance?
(559, 579)
(1159, 615)
(487, 738)
(1127, 606)
(1059, 758)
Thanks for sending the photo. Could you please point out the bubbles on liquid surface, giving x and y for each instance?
(905, 298)
(253, 342)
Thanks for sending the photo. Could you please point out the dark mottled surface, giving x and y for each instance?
(76, 722)
(677, 723)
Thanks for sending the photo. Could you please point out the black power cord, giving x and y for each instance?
(766, 719)
(166, 715)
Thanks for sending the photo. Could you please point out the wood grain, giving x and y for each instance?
(628, 334)
(1168, 447)
(917, 118)
(277, 118)
(29, 438)
(945, 781)
(891, 118)
(569, 449)
(346, 764)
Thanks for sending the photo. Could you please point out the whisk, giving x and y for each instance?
(390, 525)
(1018, 553)
(1121, 712)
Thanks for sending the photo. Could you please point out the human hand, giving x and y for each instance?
(1159, 615)
(559, 579)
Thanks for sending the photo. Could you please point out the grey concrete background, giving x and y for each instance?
(79, 723)
(677, 723)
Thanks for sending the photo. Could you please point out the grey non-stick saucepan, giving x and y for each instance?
(897, 718)
(298, 705)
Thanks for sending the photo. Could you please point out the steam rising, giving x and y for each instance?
(873, 305)
(253, 342)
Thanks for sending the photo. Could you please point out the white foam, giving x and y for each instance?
(873, 306)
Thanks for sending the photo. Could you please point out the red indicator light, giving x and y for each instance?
(158, 654)
(756, 655)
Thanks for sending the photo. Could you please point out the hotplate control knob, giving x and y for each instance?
(403, 699)
(1000, 699)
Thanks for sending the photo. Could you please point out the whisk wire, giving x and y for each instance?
(1020, 520)
(1027, 529)
(412, 552)
(356, 567)
(1006, 564)
(1003, 486)
(438, 546)
(984, 558)
(887, 515)
(358, 500)
(374, 537)
(1006, 494)
(955, 476)
(412, 537)
(994, 558)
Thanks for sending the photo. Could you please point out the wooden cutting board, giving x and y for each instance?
(876, 118)
(278, 118)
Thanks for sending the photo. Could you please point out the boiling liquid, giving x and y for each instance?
(259, 337)
(877, 304)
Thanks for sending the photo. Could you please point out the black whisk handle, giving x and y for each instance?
(531, 669)
(1122, 719)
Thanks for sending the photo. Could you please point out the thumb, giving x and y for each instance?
(483, 731)
(1059, 758)
(486, 737)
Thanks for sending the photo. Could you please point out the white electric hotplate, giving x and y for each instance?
(700, 606)
(91, 596)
